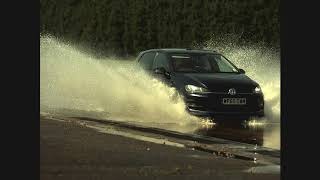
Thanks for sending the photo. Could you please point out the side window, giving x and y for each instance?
(146, 60)
(161, 61)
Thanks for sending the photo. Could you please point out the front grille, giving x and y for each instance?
(221, 88)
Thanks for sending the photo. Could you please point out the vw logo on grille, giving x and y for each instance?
(232, 91)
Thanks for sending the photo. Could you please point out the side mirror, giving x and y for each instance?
(162, 71)
(242, 71)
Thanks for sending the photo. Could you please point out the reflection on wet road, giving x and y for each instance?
(262, 133)
(258, 132)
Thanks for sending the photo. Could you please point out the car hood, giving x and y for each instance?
(219, 82)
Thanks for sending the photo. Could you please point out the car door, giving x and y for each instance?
(161, 61)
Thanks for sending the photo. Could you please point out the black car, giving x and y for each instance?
(209, 83)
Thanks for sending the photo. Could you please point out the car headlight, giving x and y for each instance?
(257, 90)
(195, 89)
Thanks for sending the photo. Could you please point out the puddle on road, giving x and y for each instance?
(217, 151)
(164, 141)
(259, 132)
(262, 133)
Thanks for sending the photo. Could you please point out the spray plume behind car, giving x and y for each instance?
(73, 81)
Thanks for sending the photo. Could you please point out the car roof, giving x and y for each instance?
(180, 50)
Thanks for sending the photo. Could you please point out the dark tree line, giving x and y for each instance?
(125, 27)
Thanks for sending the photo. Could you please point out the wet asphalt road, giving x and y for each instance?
(263, 132)
(70, 151)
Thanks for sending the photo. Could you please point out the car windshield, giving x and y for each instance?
(202, 63)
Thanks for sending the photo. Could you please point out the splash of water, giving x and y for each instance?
(261, 64)
(76, 84)
(73, 81)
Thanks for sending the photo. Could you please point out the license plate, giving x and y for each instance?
(234, 101)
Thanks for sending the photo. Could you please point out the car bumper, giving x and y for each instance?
(235, 113)
(211, 105)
